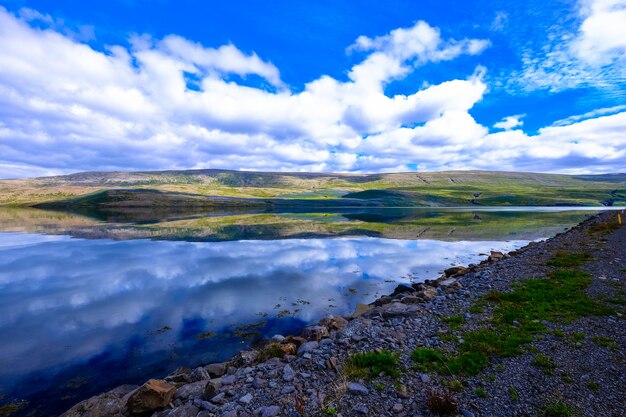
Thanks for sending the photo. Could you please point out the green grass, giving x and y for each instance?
(513, 393)
(454, 322)
(593, 386)
(456, 385)
(545, 363)
(518, 318)
(568, 260)
(605, 341)
(372, 364)
(480, 392)
(556, 408)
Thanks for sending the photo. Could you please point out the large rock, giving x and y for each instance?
(361, 309)
(428, 293)
(195, 389)
(245, 358)
(455, 270)
(495, 256)
(110, 404)
(216, 369)
(211, 389)
(152, 396)
(308, 347)
(315, 333)
(398, 310)
(402, 289)
(334, 322)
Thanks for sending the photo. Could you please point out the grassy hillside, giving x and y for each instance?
(452, 188)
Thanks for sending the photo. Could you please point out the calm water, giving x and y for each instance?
(88, 303)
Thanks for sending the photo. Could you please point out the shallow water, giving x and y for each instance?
(88, 303)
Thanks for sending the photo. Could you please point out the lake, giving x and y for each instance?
(89, 301)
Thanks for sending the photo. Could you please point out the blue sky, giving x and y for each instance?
(359, 86)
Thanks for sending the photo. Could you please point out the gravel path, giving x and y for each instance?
(583, 369)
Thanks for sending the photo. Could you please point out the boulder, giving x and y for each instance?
(398, 310)
(495, 256)
(211, 389)
(152, 396)
(288, 348)
(361, 309)
(216, 369)
(308, 347)
(334, 322)
(195, 389)
(315, 332)
(245, 358)
(199, 374)
(428, 293)
(455, 270)
(450, 285)
(355, 388)
(401, 289)
(296, 340)
(110, 404)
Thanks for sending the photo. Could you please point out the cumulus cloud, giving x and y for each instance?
(172, 103)
(510, 122)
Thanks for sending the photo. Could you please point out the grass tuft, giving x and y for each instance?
(568, 260)
(545, 363)
(441, 402)
(556, 408)
(513, 393)
(372, 364)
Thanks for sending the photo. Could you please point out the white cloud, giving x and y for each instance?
(510, 122)
(172, 104)
(602, 35)
(592, 55)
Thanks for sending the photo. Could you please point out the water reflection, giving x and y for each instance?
(84, 315)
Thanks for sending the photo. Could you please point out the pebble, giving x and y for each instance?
(288, 373)
(356, 388)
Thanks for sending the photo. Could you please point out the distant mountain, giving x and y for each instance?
(223, 188)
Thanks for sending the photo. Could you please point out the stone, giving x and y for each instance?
(199, 374)
(361, 309)
(278, 338)
(428, 293)
(397, 408)
(109, 404)
(308, 347)
(466, 413)
(411, 299)
(398, 310)
(288, 348)
(151, 396)
(287, 389)
(355, 388)
(204, 405)
(228, 380)
(361, 410)
(182, 411)
(425, 378)
(296, 340)
(334, 322)
(288, 373)
(271, 411)
(245, 358)
(246, 399)
(316, 333)
(455, 270)
(211, 389)
(401, 289)
(216, 370)
(194, 389)
(219, 399)
(449, 285)
(495, 256)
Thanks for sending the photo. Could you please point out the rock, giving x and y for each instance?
(455, 270)
(287, 389)
(355, 388)
(245, 358)
(228, 380)
(246, 399)
(288, 349)
(182, 411)
(219, 399)
(425, 378)
(199, 374)
(204, 405)
(109, 404)
(361, 309)
(401, 289)
(334, 322)
(296, 340)
(211, 389)
(466, 413)
(288, 373)
(450, 285)
(332, 362)
(151, 396)
(411, 299)
(495, 256)
(278, 338)
(428, 293)
(195, 389)
(308, 347)
(315, 332)
(271, 411)
(397, 408)
(361, 410)
(216, 370)
(398, 310)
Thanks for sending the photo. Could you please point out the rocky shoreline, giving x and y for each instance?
(410, 353)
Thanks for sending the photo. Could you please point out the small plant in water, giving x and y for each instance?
(441, 402)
